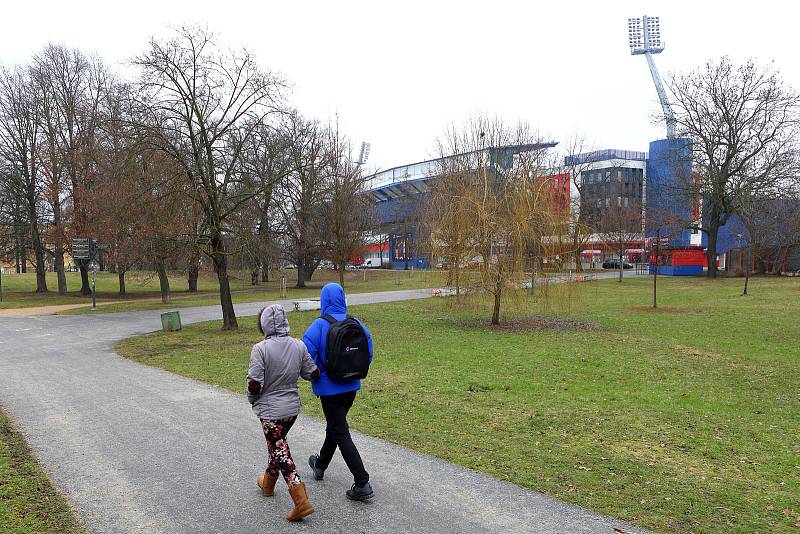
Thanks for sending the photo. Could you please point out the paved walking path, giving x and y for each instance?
(138, 449)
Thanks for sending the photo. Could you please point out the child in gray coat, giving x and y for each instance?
(275, 365)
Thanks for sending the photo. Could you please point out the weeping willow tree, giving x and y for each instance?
(493, 206)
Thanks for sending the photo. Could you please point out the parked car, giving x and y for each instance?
(369, 265)
(614, 264)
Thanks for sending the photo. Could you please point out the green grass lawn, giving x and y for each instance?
(19, 289)
(143, 289)
(28, 502)
(683, 420)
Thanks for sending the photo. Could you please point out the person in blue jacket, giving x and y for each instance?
(336, 397)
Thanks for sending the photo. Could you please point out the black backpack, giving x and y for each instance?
(347, 349)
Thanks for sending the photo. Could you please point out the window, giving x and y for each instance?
(626, 202)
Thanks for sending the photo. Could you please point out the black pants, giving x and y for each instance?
(337, 434)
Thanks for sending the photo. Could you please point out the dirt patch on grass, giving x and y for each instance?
(663, 309)
(697, 353)
(535, 323)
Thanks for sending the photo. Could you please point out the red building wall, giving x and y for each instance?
(559, 186)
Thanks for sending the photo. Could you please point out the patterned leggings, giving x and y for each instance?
(280, 457)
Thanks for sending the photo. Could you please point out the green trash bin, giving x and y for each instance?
(171, 321)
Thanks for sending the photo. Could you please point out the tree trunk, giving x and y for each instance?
(254, 277)
(18, 245)
(265, 272)
(496, 309)
(301, 276)
(59, 266)
(86, 289)
(121, 276)
(341, 274)
(747, 263)
(193, 273)
(38, 251)
(18, 252)
(221, 267)
(621, 263)
(711, 251)
(58, 252)
(228, 314)
(163, 281)
(41, 273)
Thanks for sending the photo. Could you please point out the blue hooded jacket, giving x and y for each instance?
(331, 303)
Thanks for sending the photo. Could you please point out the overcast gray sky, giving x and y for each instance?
(397, 73)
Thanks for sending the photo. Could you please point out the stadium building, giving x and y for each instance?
(401, 195)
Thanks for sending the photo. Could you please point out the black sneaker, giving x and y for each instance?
(360, 493)
(312, 463)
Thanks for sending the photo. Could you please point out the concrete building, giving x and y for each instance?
(608, 179)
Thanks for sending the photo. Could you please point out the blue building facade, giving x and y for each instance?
(672, 208)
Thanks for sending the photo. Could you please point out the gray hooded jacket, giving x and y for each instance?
(276, 363)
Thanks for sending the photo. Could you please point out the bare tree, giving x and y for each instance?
(742, 121)
(72, 86)
(503, 188)
(14, 225)
(580, 229)
(347, 211)
(772, 225)
(204, 104)
(267, 163)
(19, 142)
(303, 194)
(451, 238)
(618, 226)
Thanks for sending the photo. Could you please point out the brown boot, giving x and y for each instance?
(302, 506)
(267, 484)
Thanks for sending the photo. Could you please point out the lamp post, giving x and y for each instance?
(655, 267)
(93, 266)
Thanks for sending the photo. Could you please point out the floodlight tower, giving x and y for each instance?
(363, 155)
(644, 37)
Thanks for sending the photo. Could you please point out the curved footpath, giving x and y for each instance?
(139, 449)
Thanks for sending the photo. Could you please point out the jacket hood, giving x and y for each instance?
(274, 321)
(331, 299)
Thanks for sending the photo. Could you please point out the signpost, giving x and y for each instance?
(86, 250)
(93, 266)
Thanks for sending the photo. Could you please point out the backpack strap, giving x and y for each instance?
(328, 318)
